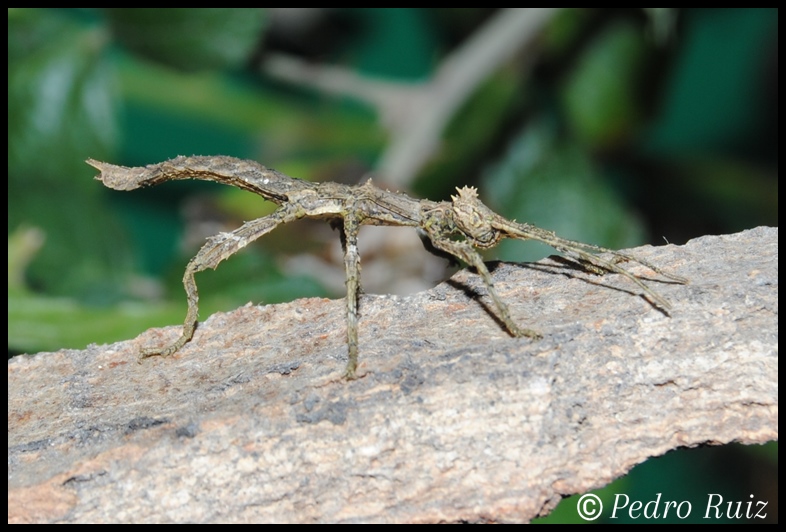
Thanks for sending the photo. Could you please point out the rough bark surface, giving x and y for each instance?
(451, 420)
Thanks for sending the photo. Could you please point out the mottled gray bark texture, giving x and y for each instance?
(451, 419)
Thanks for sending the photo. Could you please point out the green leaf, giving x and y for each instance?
(601, 94)
(41, 323)
(554, 184)
(60, 96)
(190, 38)
(61, 110)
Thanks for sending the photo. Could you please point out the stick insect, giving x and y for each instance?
(454, 228)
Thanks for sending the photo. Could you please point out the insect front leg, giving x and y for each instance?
(216, 249)
(467, 253)
(585, 253)
(349, 241)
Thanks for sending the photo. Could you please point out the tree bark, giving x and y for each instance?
(451, 419)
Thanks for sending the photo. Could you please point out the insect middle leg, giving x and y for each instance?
(349, 241)
(216, 249)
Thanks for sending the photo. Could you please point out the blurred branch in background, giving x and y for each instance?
(416, 114)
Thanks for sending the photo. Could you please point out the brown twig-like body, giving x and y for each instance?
(456, 228)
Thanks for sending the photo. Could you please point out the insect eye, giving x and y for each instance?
(488, 238)
(474, 225)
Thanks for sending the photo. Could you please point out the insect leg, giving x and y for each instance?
(349, 241)
(467, 253)
(216, 249)
(586, 254)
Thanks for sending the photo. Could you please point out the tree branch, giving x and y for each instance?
(451, 420)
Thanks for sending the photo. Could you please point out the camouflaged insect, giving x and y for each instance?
(456, 229)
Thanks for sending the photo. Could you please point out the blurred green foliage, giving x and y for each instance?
(620, 127)
(189, 39)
